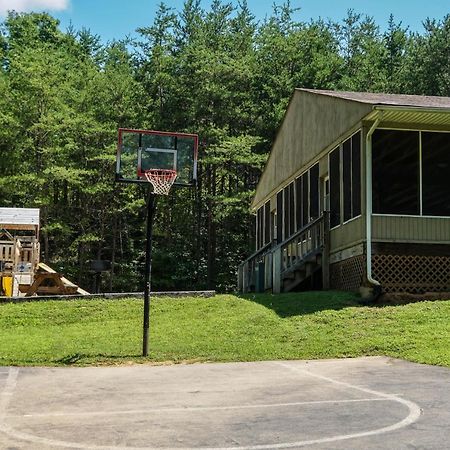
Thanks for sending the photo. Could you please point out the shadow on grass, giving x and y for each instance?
(302, 303)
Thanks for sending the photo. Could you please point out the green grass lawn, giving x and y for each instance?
(224, 328)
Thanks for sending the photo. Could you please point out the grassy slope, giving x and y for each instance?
(224, 328)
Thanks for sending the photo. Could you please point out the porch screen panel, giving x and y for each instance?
(259, 225)
(314, 191)
(356, 174)
(291, 209)
(436, 174)
(347, 178)
(267, 230)
(335, 190)
(395, 172)
(299, 202)
(257, 229)
(286, 213)
(280, 217)
(305, 199)
(261, 228)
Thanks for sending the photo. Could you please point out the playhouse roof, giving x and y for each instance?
(19, 218)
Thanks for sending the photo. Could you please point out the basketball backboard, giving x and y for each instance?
(139, 151)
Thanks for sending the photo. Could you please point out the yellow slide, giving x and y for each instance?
(7, 286)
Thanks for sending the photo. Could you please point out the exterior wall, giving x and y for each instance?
(299, 144)
(411, 229)
(348, 234)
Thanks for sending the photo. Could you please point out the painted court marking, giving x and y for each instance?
(413, 415)
(196, 408)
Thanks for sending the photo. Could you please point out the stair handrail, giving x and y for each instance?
(259, 253)
(312, 238)
(298, 233)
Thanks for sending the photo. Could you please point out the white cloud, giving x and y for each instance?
(32, 5)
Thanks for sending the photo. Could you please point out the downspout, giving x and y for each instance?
(371, 280)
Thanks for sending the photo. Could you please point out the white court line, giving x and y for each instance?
(194, 408)
(413, 415)
(7, 392)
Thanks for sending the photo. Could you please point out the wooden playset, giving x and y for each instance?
(21, 272)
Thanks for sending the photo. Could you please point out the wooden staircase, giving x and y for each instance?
(301, 273)
(291, 264)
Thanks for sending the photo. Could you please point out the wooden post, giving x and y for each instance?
(326, 251)
(276, 284)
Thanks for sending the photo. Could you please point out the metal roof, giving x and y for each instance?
(417, 101)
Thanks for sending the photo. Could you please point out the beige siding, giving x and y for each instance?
(347, 235)
(312, 123)
(411, 229)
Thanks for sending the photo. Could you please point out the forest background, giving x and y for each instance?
(217, 72)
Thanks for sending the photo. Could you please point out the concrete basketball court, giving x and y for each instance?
(363, 403)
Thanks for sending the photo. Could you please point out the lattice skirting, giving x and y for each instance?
(412, 273)
(348, 275)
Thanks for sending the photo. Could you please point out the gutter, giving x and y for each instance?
(421, 109)
(371, 280)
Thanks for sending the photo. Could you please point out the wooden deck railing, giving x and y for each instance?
(305, 242)
(312, 239)
(248, 270)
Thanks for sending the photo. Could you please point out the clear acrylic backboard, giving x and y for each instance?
(143, 151)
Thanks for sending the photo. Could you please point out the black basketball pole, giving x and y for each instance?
(151, 208)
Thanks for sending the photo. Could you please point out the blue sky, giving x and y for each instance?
(114, 19)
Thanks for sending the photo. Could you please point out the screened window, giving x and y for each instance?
(290, 190)
(395, 172)
(351, 176)
(287, 212)
(314, 191)
(280, 216)
(347, 178)
(305, 199)
(299, 203)
(258, 228)
(356, 174)
(436, 174)
(335, 189)
(267, 230)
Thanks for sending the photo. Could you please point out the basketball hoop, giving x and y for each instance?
(161, 179)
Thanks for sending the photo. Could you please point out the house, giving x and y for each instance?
(355, 194)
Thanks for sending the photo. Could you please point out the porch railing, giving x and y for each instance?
(263, 269)
(250, 271)
(303, 243)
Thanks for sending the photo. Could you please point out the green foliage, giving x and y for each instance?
(214, 71)
(290, 326)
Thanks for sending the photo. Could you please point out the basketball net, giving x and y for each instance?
(161, 180)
